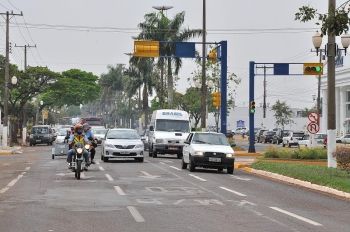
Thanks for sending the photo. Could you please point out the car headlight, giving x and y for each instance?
(109, 145)
(229, 155)
(199, 153)
(139, 146)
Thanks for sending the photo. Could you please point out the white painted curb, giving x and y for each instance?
(302, 183)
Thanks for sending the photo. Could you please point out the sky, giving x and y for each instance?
(245, 24)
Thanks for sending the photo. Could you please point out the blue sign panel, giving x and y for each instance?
(185, 49)
(240, 123)
(281, 69)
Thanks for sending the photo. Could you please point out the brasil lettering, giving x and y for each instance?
(179, 114)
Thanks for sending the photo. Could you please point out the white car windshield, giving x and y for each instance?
(122, 134)
(172, 125)
(62, 132)
(206, 138)
(99, 131)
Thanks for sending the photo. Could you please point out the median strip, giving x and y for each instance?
(296, 216)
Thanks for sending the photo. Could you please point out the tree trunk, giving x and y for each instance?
(170, 85)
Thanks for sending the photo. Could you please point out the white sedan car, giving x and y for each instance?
(208, 150)
(122, 143)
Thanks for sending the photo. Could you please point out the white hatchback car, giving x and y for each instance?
(208, 150)
(122, 143)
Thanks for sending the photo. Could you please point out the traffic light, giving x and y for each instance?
(213, 55)
(252, 107)
(216, 98)
(313, 68)
(146, 48)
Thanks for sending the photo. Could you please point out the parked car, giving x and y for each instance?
(122, 143)
(241, 130)
(41, 134)
(259, 134)
(321, 139)
(304, 141)
(278, 137)
(267, 136)
(61, 135)
(346, 139)
(292, 138)
(208, 150)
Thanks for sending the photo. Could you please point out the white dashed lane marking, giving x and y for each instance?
(119, 190)
(109, 177)
(197, 177)
(135, 213)
(175, 168)
(12, 183)
(101, 168)
(240, 178)
(296, 216)
(234, 192)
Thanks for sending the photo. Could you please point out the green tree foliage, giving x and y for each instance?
(283, 113)
(159, 27)
(73, 87)
(329, 25)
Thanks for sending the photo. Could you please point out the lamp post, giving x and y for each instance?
(204, 86)
(7, 135)
(42, 113)
(331, 51)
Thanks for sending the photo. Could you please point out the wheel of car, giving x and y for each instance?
(154, 154)
(288, 144)
(183, 164)
(139, 159)
(283, 145)
(192, 166)
(150, 151)
(53, 156)
(179, 156)
(105, 159)
(220, 169)
(230, 170)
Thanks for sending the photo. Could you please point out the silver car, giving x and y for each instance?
(122, 143)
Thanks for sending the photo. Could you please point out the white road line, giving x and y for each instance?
(82, 175)
(197, 177)
(119, 191)
(175, 168)
(101, 168)
(162, 163)
(27, 168)
(98, 163)
(109, 177)
(12, 183)
(233, 191)
(137, 216)
(145, 173)
(168, 161)
(296, 216)
(239, 178)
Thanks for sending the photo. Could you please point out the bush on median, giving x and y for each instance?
(342, 155)
(304, 153)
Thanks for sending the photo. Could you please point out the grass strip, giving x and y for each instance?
(330, 177)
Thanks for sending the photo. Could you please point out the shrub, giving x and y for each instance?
(342, 156)
(305, 153)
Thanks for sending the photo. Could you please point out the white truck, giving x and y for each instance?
(168, 131)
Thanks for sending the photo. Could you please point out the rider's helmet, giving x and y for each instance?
(78, 128)
(86, 126)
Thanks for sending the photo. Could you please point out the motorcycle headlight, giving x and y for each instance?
(87, 146)
(80, 150)
(199, 153)
(229, 155)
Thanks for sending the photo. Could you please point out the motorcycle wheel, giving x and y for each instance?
(78, 170)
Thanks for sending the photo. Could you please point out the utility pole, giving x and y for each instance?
(319, 89)
(204, 85)
(264, 103)
(331, 123)
(25, 53)
(7, 77)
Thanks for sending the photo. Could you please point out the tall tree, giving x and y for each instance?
(283, 114)
(160, 28)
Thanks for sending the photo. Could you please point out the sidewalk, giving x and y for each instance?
(10, 150)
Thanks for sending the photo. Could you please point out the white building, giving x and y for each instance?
(342, 98)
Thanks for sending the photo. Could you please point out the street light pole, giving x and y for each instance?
(204, 85)
(331, 120)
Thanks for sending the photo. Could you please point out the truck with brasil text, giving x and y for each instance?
(167, 132)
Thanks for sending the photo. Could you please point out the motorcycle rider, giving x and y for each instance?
(77, 137)
(90, 136)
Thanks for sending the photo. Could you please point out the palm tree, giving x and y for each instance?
(160, 28)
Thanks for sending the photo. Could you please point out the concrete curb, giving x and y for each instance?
(246, 154)
(301, 183)
(11, 151)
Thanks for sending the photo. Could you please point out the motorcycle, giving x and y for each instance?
(78, 159)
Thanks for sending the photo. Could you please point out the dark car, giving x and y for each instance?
(267, 136)
(41, 134)
(278, 137)
(259, 134)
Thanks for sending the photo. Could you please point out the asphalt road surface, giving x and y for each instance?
(38, 194)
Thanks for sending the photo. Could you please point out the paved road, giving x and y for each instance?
(40, 194)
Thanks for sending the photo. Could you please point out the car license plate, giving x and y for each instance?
(124, 152)
(217, 160)
(38, 140)
(172, 148)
